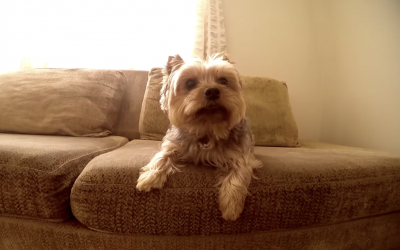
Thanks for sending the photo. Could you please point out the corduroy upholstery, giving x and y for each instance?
(316, 184)
(376, 233)
(38, 171)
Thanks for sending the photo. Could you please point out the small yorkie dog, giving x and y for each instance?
(206, 109)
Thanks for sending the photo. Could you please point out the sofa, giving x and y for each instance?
(72, 142)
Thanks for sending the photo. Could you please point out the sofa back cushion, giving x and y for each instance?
(128, 118)
(74, 102)
(267, 108)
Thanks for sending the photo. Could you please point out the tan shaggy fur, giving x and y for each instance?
(209, 130)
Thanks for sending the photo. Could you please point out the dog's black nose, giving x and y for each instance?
(211, 93)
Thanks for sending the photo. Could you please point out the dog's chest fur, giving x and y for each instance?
(210, 151)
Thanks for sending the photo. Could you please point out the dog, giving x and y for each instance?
(206, 109)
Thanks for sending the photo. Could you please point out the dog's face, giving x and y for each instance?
(203, 96)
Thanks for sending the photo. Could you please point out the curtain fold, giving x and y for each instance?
(210, 29)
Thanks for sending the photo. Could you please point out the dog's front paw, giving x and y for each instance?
(149, 179)
(231, 203)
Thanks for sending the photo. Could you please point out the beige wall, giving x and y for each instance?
(359, 58)
(275, 38)
(340, 58)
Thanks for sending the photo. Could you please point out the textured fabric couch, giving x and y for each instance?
(72, 143)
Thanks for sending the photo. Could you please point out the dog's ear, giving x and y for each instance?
(221, 56)
(225, 58)
(240, 79)
(173, 63)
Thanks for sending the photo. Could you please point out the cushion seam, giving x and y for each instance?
(110, 112)
(57, 220)
(74, 159)
(202, 188)
(272, 231)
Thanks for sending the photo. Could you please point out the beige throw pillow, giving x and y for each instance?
(75, 102)
(268, 111)
(153, 122)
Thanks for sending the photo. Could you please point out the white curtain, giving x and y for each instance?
(117, 34)
(210, 29)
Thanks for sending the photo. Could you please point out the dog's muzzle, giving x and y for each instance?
(211, 94)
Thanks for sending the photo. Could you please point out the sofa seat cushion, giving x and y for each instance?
(312, 185)
(37, 172)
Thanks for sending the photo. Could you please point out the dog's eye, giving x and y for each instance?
(191, 84)
(223, 81)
